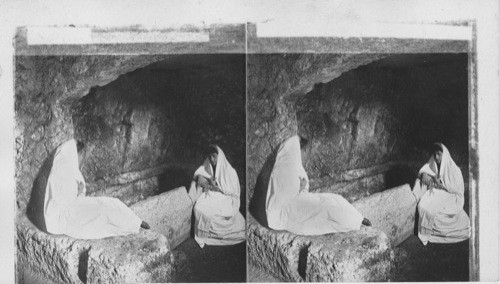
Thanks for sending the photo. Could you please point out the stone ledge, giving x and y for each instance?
(363, 255)
(143, 257)
(355, 184)
(174, 218)
(391, 211)
(130, 193)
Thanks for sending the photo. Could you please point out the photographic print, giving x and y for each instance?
(249, 141)
(130, 168)
(342, 160)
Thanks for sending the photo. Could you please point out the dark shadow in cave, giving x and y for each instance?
(257, 205)
(415, 229)
(399, 175)
(162, 115)
(174, 177)
(34, 208)
(302, 262)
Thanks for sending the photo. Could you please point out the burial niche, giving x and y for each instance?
(371, 128)
(145, 121)
(370, 120)
(145, 132)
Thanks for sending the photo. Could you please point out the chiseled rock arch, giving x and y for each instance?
(274, 81)
(45, 87)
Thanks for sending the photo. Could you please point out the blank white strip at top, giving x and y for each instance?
(368, 30)
(148, 37)
(51, 35)
(69, 36)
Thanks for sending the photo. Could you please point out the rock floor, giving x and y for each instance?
(413, 262)
(210, 264)
(26, 276)
(434, 262)
(256, 274)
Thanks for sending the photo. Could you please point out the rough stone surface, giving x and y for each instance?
(159, 115)
(54, 257)
(260, 276)
(362, 255)
(129, 193)
(44, 90)
(165, 113)
(168, 213)
(275, 81)
(143, 257)
(358, 111)
(357, 256)
(272, 80)
(351, 123)
(391, 211)
(358, 183)
(369, 116)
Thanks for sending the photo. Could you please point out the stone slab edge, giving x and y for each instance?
(62, 259)
(168, 213)
(362, 255)
(392, 211)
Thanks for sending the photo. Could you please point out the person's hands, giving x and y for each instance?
(204, 189)
(426, 180)
(214, 185)
(438, 183)
(303, 184)
(81, 188)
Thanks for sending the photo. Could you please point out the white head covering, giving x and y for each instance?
(284, 182)
(62, 185)
(225, 175)
(449, 172)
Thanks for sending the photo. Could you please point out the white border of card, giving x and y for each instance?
(103, 22)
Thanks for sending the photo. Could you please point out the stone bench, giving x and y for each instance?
(391, 211)
(363, 255)
(168, 213)
(143, 257)
(359, 256)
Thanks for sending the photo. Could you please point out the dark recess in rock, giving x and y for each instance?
(144, 119)
(369, 118)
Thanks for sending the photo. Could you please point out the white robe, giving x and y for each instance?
(289, 206)
(217, 217)
(442, 218)
(66, 212)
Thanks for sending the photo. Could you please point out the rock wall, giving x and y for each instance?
(45, 87)
(162, 115)
(274, 82)
(135, 125)
(380, 113)
(369, 118)
(353, 122)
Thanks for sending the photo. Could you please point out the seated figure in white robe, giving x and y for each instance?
(291, 207)
(68, 211)
(440, 191)
(216, 191)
